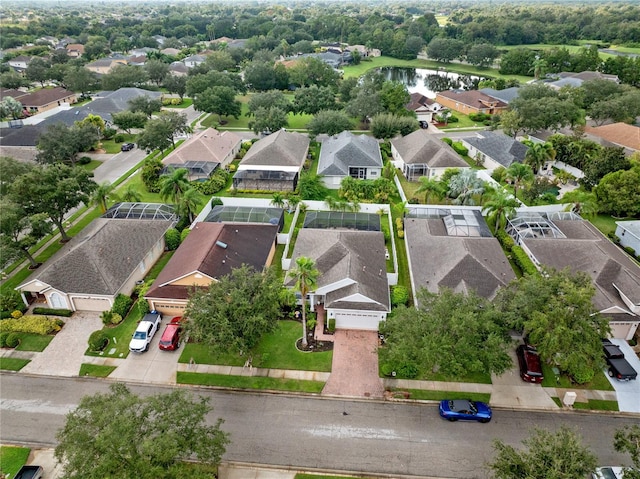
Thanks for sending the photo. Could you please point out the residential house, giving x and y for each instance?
(172, 52)
(420, 154)
(564, 240)
(629, 234)
(453, 248)
(193, 61)
(273, 163)
(75, 50)
(424, 108)
(505, 96)
(576, 80)
(20, 63)
(494, 149)
(470, 101)
(137, 60)
(364, 51)
(616, 134)
(159, 39)
(102, 66)
(107, 258)
(209, 252)
(45, 99)
(204, 152)
(178, 69)
(352, 286)
(346, 154)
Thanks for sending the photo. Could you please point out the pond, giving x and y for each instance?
(428, 82)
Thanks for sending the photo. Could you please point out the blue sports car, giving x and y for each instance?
(464, 409)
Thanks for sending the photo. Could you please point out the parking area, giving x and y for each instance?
(628, 392)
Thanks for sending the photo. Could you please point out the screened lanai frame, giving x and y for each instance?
(141, 211)
(457, 221)
(198, 170)
(535, 226)
(342, 220)
(246, 214)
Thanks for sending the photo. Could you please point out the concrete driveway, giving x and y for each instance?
(153, 366)
(510, 390)
(628, 392)
(65, 352)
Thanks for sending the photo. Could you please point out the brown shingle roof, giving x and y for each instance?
(44, 97)
(617, 133)
(472, 98)
(420, 147)
(282, 148)
(207, 145)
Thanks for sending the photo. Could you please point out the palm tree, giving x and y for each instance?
(463, 186)
(538, 154)
(581, 202)
(331, 203)
(539, 67)
(429, 187)
(292, 202)
(101, 195)
(306, 277)
(174, 184)
(519, 174)
(189, 203)
(129, 195)
(499, 207)
(277, 200)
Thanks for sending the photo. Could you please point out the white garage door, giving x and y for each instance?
(620, 330)
(91, 304)
(357, 321)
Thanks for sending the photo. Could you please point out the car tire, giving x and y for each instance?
(146, 348)
(452, 419)
(610, 373)
(484, 421)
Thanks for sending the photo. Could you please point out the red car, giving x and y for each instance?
(170, 340)
(530, 365)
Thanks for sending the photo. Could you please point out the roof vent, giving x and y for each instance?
(221, 244)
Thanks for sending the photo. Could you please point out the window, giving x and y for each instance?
(358, 173)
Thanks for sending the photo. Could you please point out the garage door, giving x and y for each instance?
(91, 304)
(357, 321)
(168, 309)
(620, 330)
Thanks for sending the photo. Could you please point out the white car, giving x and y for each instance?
(608, 473)
(145, 331)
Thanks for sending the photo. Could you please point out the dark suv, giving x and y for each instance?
(530, 365)
(127, 147)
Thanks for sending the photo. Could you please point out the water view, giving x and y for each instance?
(428, 82)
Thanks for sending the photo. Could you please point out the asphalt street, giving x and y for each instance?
(302, 431)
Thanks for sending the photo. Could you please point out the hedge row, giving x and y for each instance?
(523, 261)
(53, 311)
(32, 324)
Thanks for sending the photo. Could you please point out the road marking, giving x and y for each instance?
(35, 406)
(346, 432)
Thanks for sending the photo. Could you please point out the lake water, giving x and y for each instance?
(428, 82)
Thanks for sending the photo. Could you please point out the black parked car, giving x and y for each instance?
(127, 147)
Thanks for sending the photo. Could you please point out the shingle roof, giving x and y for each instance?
(586, 249)
(282, 148)
(472, 98)
(44, 97)
(346, 150)
(458, 263)
(420, 147)
(202, 252)
(208, 145)
(620, 134)
(506, 95)
(101, 258)
(499, 147)
(341, 255)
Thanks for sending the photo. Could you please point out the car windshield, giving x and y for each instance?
(473, 408)
(140, 335)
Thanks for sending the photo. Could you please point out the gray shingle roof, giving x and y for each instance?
(458, 263)
(499, 147)
(341, 255)
(420, 147)
(102, 257)
(346, 150)
(282, 148)
(506, 95)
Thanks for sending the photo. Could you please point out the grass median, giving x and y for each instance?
(95, 370)
(428, 395)
(12, 458)
(249, 382)
(13, 364)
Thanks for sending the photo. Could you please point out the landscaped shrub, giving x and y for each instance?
(311, 324)
(331, 325)
(121, 305)
(401, 234)
(505, 240)
(109, 133)
(630, 250)
(16, 314)
(479, 117)
(523, 261)
(98, 340)
(386, 369)
(399, 295)
(12, 340)
(53, 311)
(215, 201)
(143, 304)
(453, 119)
(116, 319)
(5, 314)
(447, 140)
(84, 160)
(31, 324)
(407, 371)
(11, 300)
(183, 234)
(106, 316)
(172, 239)
(119, 138)
(3, 339)
(582, 373)
(459, 149)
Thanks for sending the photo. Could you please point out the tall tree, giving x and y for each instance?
(453, 333)
(618, 193)
(79, 79)
(268, 99)
(156, 70)
(174, 184)
(176, 84)
(100, 196)
(38, 70)
(538, 154)
(519, 174)
(61, 144)
(269, 120)
(129, 194)
(145, 104)
(53, 190)
(127, 120)
(233, 313)
(305, 275)
(119, 435)
(220, 100)
(312, 99)
(463, 186)
(430, 187)
(330, 122)
(627, 440)
(609, 160)
(189, 203)
(499, 207)
(20, 231)
(548, 455)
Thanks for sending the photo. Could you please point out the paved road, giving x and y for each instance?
(393, 438)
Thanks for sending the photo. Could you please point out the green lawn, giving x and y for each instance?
(276, 350)
(322, 476)
(95, 370)
(425, 395)
(160, 264)
(12, 458)
(92, 165)
(599, 383)
(110, 146)
(186, 102)
(13, 364)
(245, 382)
(597, 405)
(605, 223)
(33, 342)
(119, 336)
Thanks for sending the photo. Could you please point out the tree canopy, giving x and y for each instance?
(121, 435)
